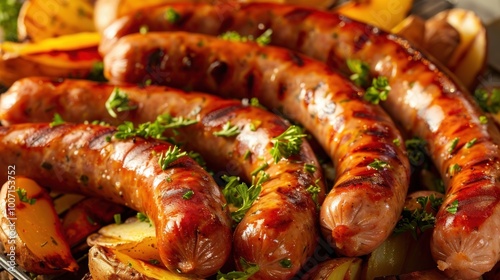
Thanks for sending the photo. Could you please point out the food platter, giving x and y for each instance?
(379, 169)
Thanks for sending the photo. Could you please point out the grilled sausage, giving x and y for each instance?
(194, 235)
(281, 226)
(424, 99)
(356, 134)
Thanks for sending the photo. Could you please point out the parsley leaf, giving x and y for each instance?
(288, 143)
(143, 218)
(314, 190)
(453, 145)
(188, 194)
(378, 164)
(23, 196)
(57, 120)
(171, 155)
(228, 130)
(360, 71)
(419, 220)
(249, 269)
(453, 207)
(172, 15)
(118, 102)
(240, 196)
(378, 91)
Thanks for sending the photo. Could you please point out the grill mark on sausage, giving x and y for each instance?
(218, 70)
(214, 116)
(100, 138)
(298, 14)
(42, 137)
(296, 59)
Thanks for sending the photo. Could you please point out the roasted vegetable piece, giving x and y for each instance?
(66, 56)
(135, 238)
(339, 268)
(42, 19)
(40, 245)
(380, 13)
(106, 263)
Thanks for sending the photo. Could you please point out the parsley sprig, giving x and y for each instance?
(154, 129)
(378, 91)
(360, 72)
(228, 130)
(288, 143)
(57, 120)
(118, 101)
(419, 220)
(240, 196)
(453, 207)
(488, 101)
(171, 155)
(249, 269)
(378, 164)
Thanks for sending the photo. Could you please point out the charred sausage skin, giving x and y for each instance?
(281, 226)
(194, 235)
(424, 99)
(354, 133)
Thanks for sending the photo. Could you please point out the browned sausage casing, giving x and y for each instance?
(281, 225)
(423, 98)
(194, 235)
(354, 133)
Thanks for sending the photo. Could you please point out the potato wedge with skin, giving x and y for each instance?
(110, 264)
(338, 268)
(135, 238)
(42, 19)
(468, 61)
(40, 245)
(384, 14)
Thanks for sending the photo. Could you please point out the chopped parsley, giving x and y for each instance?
(454, 169)
(310, 168)
(172, 15)
(314, 190)
(117, 218)
(57, 120)
(228, 130)
(23, 196)
(360, 72)
(233, 36)
(453, 145)
(483, 119)
(419, 220)
(396, 142)
(453, 207)
(286, 263)
(378, 164)
(378, 91)
(471, 143)
(249, 269)
(143, 217)
(288, 143)
(188, 194)
(118, 101)
(171, 155)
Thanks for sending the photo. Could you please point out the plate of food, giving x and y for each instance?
(248, 140)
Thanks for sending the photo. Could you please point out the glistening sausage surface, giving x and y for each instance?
(280, 227)
(372, 171)
(424, 99)
(194, 235)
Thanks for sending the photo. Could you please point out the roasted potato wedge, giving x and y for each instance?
(135, 238)
(339, 268)
(42, 19)
(384, 14)
(108, 264)
(67, 56)
(40, 245)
